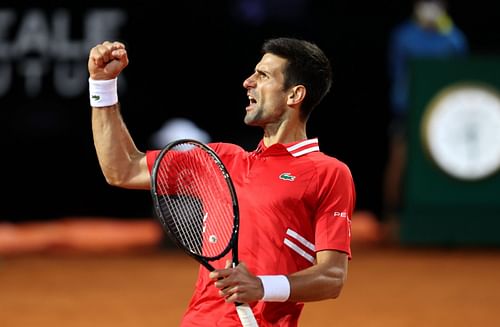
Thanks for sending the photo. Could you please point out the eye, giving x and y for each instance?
(263, 76)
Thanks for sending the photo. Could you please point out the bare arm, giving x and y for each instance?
(122, 164)
(322, 281)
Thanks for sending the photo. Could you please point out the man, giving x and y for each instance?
(428, 33)
(295, 202)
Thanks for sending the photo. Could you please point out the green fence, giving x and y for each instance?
(452, 182)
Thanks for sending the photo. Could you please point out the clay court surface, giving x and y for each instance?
(387, 286)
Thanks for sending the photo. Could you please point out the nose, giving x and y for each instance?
(249, 82)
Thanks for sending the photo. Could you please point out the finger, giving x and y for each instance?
(100, 55)
(119, 54)
(117, 45)
(229, 264)
(218, 274)
(222, 283)
(229, 291)
(114, 67)
(118, 50)
(108, 51)
(234, 296)
(94, 56)
(221, 273)
(103, 52)
(111, 46)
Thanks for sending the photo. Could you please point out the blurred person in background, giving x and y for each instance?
(429, 33)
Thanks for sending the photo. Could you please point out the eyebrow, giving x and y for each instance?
(263, 72)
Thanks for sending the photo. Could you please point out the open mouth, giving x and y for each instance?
(251, 102)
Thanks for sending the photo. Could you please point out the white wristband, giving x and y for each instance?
(276, 288)
(103, 93)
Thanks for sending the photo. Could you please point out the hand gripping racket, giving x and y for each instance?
(195, 202)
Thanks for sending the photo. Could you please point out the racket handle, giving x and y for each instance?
(246, 315)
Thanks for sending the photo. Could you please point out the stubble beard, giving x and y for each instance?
(253, 117)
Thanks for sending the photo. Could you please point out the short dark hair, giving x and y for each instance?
(307, 65)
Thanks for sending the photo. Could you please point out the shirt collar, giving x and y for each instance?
(296, 149)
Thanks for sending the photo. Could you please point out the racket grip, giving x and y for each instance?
(246, 315)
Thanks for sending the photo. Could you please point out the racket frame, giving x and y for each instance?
(233, 242)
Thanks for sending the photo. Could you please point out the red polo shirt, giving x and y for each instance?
(294, 201)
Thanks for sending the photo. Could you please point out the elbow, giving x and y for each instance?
(116, 179)
(336, 285)
(129, 179)
(336, 289)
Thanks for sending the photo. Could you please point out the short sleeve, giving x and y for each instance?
(337, 197)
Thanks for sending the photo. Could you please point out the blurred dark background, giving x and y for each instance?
(187, 60)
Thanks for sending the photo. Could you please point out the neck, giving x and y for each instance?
(285, 132)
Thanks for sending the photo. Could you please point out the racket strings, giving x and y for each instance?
(183, 215)
(170, 211)
(196, 201)
(218, 217)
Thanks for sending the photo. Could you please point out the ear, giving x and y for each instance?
(296, 95)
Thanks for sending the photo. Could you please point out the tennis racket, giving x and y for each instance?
(195, 202)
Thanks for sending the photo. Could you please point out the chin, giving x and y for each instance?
(250, 122)
(253, 120)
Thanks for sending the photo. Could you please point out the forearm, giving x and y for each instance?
(122, 164)
(316, 283)
(322, 281)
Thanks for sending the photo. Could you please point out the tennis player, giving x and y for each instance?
(295, 201)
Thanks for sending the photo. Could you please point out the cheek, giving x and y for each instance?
(277, 102)
(273, 97)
